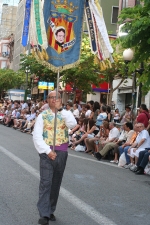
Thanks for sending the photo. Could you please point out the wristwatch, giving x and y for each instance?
(60, 109)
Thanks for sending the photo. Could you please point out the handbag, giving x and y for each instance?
(79, 148)
(122, 160)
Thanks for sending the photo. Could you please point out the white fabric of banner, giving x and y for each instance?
(43, 29)
(33, 37)
(101, 25)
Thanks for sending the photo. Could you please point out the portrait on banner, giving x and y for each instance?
(60, 32)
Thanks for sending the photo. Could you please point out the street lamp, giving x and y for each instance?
(128, 55)
(31, 83)
(27, 71)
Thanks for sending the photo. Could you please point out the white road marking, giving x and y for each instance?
(75, 201)
(95, 161)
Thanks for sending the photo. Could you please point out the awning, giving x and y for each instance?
(125, 90)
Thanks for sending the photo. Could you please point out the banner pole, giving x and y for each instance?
(55, 121)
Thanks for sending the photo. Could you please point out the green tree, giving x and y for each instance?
(10, 79)
(31, 63)
(81, 76)
(85, 73)
(137, 23)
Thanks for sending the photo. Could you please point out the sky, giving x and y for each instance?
(9, 2)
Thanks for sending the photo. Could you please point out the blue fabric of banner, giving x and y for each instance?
(63, 22)
(26, 23)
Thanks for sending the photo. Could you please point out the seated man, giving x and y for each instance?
(109, 143)
(126, 146)
(29, 118)
(120, 146)
(142, 141)
(142, 161)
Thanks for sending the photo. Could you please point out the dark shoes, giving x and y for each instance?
(140, 171)
(97, 155)
(52, 217)
(43, 221)
(136, 169)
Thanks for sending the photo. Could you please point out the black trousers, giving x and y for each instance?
(143, 158)
(51, 173)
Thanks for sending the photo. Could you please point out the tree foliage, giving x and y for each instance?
(80, 77)
(86, 73)
(137, 23)
(44, 73)
(89, 71)
(11, 79)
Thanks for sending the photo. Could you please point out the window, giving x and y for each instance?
(124, 4)
(115, 10)
(3, 64)
(137, 2)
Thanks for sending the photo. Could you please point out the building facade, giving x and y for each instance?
(110, 13)
(4, 53)
(8, 20)
(18, 48)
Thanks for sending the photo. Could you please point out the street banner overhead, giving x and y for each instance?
(26, 23)
(55, 32)
(63, 22)
(100, 44)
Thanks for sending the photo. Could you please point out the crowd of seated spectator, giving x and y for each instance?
(100, 130)
(109, 131)
(21, 115)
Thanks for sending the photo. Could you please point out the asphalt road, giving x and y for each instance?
(92, 192)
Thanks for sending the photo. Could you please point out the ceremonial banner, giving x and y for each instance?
(37, 21)
(63, 22)
(90, 27)
(98, 14)
(26, 23)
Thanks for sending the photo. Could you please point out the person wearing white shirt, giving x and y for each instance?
(52, 162)
(24, 105)
(113, 135)
(76, 111)
(141, 143)
(88, 111)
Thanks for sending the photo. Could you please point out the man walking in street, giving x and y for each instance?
(52, 163)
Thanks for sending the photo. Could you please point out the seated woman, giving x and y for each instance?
(29, 118)
(92, 143)
(7, 117)
(16, 120)
(123, 145)
(72, 133)
(78, 134)
(22, 121)
(104, 132)
(92, 130)
(101, 116)
(116, 116)
(79, 122)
